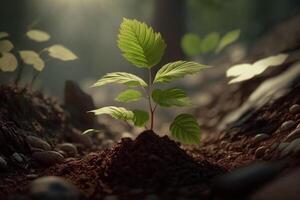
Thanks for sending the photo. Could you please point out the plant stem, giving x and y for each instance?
(151, 110)
(19, 74)
(36, 74)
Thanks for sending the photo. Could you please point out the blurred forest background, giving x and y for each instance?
(89, 28)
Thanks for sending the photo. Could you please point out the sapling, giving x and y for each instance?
(144, 48)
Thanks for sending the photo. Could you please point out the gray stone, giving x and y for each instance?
(52, 188)
(3, 164)
(36, 142)
(260, 137)
(260, 152)
(282, 146)
(48, 157)
(294, 109)
(293, 147)
(287, 125)
(69, 148)
(293, 135)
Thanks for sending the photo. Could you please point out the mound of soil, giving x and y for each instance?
(151, 161)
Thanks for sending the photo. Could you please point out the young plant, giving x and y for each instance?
(144, 48)
(9, 61)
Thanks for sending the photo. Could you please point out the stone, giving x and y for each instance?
(69, 148)
(52, 188)
(260, 137)
(36, 142)
(294, 109)
(282, 146)
(48, 157)
(292, 148)
(287, 125)
(293, 135)
(260, 152)
(77, 137)
(3, 164)
(282, 188)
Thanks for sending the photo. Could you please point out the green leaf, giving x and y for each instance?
(210, 42)
(32, 58)
(185, 128)
(140, 117)
(3, 35)
(129, 95)
(61, 52)
(228, 38)
(91, 131)
(191, 44)
(171, 97)
(139, 44)
(115, 112)
(6, 46)
(38, 35)
(121, 78)
(176, 70)
(8, 62)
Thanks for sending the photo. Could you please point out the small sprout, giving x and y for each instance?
(144, 48)
(60, 52)
(38, 35)
(191, 44)
(32, 58)
(246, 71)
(228, 38)
(210, 42)
(8, 62)
(6, 46)
(3, 35)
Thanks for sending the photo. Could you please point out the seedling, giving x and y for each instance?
(144, 48)
(9, 61)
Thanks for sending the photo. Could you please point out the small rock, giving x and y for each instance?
(77, 137)
(260, 152)
(282, 146)
(48, 157)
(260, 137)
(3, 164)
(288, 125)
(52, 188)
(293, 135)
(36, 142)
(69, 148)
(292, 148)
(294, 109)
(17, 157)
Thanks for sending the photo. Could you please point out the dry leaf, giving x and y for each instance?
(8, 62)
(6, 46)
(38, 35)
(62, 53)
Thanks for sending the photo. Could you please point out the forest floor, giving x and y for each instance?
(148, 167)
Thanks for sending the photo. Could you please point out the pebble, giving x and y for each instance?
(294, 109)
(3, 164)
(293, 135)
(287, 125)
(260, 152)
(282, 146)
(52, 188)
(260, 137)
(69, 148)
(17, 157)
(48, 157)
(293, 147)
(36, 142)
